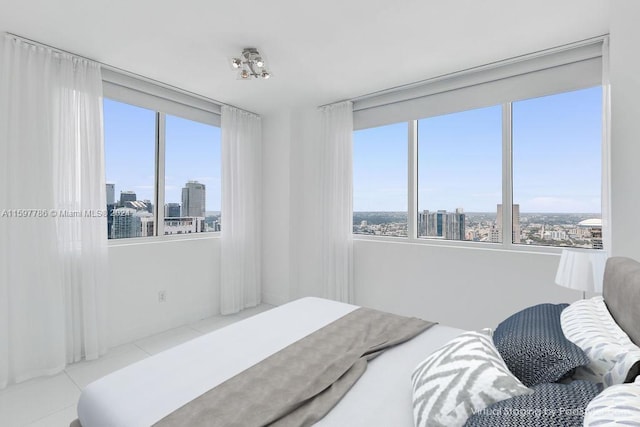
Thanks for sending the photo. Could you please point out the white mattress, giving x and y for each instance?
(147, 391)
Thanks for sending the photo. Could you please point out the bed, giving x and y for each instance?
(150, 391)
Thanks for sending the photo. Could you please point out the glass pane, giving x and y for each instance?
(192, 177)
(380, 158)
(129, 139)
(460, 175)
(557, 156)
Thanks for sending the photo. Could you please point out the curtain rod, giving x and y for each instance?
(126, 72)
(502, 62)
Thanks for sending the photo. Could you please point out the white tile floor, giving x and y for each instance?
(51, 401)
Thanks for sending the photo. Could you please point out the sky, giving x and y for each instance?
(192, 152)
(556, 158)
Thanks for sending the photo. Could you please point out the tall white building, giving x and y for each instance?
(193, 199)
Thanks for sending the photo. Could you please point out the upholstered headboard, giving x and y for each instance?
(622, 294)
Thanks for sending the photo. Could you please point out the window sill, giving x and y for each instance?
(457, 244)
(163, 239)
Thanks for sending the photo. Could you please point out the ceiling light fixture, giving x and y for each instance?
(250, 64)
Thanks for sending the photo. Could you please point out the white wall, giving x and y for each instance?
(625, 138)
(189, 272)
(468, 288)
(276, 139)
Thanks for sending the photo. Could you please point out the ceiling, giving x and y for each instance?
(318, 51)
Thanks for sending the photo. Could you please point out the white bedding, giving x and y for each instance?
(147, 391)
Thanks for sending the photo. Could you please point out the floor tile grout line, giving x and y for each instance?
(135, 344)
(72, 380)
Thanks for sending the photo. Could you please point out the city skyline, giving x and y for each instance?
(192, 153)
(130, 217)
(542, 229)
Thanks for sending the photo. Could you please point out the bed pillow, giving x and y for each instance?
(462, 377)
(533, 346)
(614, 358)
(550, 404)
(616, 405)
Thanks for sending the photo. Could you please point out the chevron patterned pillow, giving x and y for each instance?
(616, 405)
(463, 377)
(614, 358)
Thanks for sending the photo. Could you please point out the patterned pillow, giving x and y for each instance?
(614, 358)
(533, 346)
(550, 404)
(616, 405)
(462, 377)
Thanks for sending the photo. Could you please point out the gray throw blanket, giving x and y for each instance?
(299, 385)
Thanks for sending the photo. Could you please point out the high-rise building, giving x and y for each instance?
(111, 194)
(125, 224)
(496, 233)
(447, 225)
(593, 228)
(193, 199)
(127, 196)
(111, 204)
(172, 210)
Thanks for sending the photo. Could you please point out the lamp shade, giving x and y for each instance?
(581, 270)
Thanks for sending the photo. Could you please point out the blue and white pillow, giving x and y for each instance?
(533, 346)
(614, 358)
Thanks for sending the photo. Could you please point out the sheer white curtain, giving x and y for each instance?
(52, 220)
(336, 180)
(606, 149)
(241, 204)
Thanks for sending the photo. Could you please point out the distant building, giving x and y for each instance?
(172, 210)
(111, 194)
(140, 205)
(147, 222)
(193, 199)
(111, 204)
(184, 225)
(125, 224)
(594, 227)
(127, 196)
(443, 224)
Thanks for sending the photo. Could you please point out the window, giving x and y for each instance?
(130, 147)
(141, 143)
(505, 155)
(380, 181)
(557, 170)
(192, 177)
(462, 179)
(459, 175)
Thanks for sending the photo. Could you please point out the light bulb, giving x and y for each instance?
(236, 63)
(259, 62)
(244, 74)
(265, 75)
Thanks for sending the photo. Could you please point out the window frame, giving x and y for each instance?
(552, 71)
(506, 201)
(162, 100)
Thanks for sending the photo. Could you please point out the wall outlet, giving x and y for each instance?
(162, 296)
